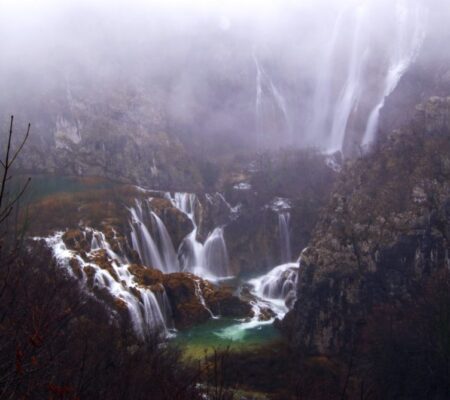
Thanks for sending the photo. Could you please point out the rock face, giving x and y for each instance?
(385, 230)
(297, 182)
(253, 242)
(118, 132)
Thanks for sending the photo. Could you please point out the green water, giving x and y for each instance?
(41, 186)
(222, 333)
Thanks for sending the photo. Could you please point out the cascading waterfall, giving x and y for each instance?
(285, 238)
(208, 260)
(278, 283)
(149, 312)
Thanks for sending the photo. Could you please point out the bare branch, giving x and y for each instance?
(5, 170)
(21, 146)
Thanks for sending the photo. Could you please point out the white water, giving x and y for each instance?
(149, 312)
(263, 81)
(270, 291)
(359, 66)
(410, 34)
(285, 238)
(208, 260)
(169, 256)
(352, 90)
(322, 94)
(142, 240)
(199, 294)
(278, 284)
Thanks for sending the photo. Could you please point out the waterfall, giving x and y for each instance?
(263, 79)
(149, 312)
(285, 239)
(142, 240)
(208, 260)
(322, 94)
(408, 40)
(278, 283)
(359, 67)
(168, 255)
(199, 294)
(352, 90)
(216, 254)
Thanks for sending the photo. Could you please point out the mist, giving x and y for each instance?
(258, 74)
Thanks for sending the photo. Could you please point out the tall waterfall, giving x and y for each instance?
(352, 90)
(285, 237)
(265, 85)
(409, 37)
(358, 67)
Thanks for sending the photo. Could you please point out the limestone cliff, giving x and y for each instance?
(385, 230)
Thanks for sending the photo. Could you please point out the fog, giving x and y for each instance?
(258, 74)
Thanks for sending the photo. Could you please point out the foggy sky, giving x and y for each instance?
(196, 57)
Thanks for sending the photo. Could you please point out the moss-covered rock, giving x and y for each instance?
(145, 276)
(222, 301)
(75, 239)
(183, 290)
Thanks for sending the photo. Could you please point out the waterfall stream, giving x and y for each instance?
(285, 238)
(410, 34)
(264, 84)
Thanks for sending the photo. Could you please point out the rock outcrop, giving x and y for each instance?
(385, 230)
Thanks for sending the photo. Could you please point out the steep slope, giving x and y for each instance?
(385, 230)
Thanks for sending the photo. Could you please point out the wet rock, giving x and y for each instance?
(146, 276)
(75, 239)
(187, 307)
(100, 258)
(223, 302)
(193, 300)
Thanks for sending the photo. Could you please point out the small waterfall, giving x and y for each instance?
(199, 294)
(142, 241)
(208, 260)
(168, 255)
(216, 254)
(285, 238)
(278, 284)
(149, 312)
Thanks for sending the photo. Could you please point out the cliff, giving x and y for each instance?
(384, 232)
